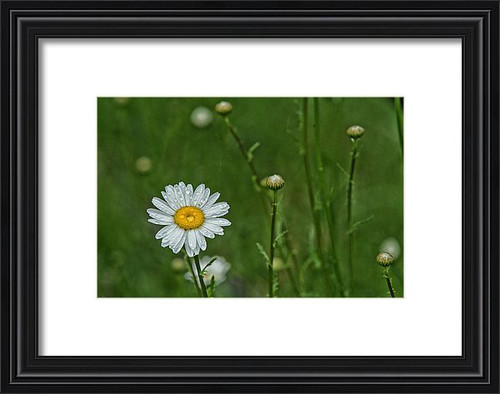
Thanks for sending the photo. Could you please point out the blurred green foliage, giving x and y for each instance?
(147, 143)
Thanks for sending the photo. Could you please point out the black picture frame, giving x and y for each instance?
(24, 23)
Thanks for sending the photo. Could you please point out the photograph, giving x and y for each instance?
(250, 197)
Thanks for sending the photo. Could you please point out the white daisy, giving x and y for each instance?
(218, 269)
(188, 217)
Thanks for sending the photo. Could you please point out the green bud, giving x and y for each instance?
(355, 132)
(385, 259)
(274, 182)
(224, 108)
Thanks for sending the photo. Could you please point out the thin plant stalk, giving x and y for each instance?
(193, 275)
(270, 269)
(324, 199)
(286, 250)
(200, 276)
(244, 152)
(399, 115)
(310, 190)
(389, 282)
(255, 174)
(354, 155)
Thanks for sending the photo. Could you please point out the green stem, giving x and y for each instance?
(243, 150)
(354, 155)
(399, 115)
(200, 276)
(190, 267)
(286, 250)
(389, 282)
(310, 190)
(270, 270)
(323, 193)
(251, 165)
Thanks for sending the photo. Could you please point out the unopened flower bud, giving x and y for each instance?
(385, 259)
(355, 132)
(274, 182)
(223, 108)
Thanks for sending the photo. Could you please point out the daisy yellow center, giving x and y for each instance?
(189, 217)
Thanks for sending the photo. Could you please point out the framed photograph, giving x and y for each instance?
(249, 197)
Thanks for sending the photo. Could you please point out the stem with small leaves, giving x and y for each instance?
(354, 155)
(399, 115)
(193, 275)
(323, 195)
(389, 282)
(200, 276)
(270, 269)
(244, 152)
(310, 190)
(253, 170)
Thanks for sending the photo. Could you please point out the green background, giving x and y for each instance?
(131, 262)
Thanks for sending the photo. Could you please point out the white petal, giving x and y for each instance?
(188, 194)
(160, 222)
(213, 198)
(170, 202)
(195, 251)
(178, 246)
(162, 206)
(197, 194)
(182, 187)
(206, 232)
(213, 228)
(165, 231)
(172, 198)
(159, 215)
(219, 209)
(202, 242)
(191, 238)
(189, 251)
(218, 221)
(172, 236)
(180, 195)
(204, 198)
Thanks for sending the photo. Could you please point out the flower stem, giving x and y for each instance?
(190, 267)
(399, 115)
(255, 174)
(286, 250)
(200, 276)
(315, 216)
(324, 200)
(389, 282)
(243, 150)
(354, 155)
(270, 270)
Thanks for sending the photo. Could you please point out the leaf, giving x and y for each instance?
(251, 151)
(355, 225)
(280, 235)
(208, 264)
(276, 283)
(211, 287)
(343, 170)
(263, 253)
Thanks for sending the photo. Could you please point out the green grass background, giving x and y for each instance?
(131, 262)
